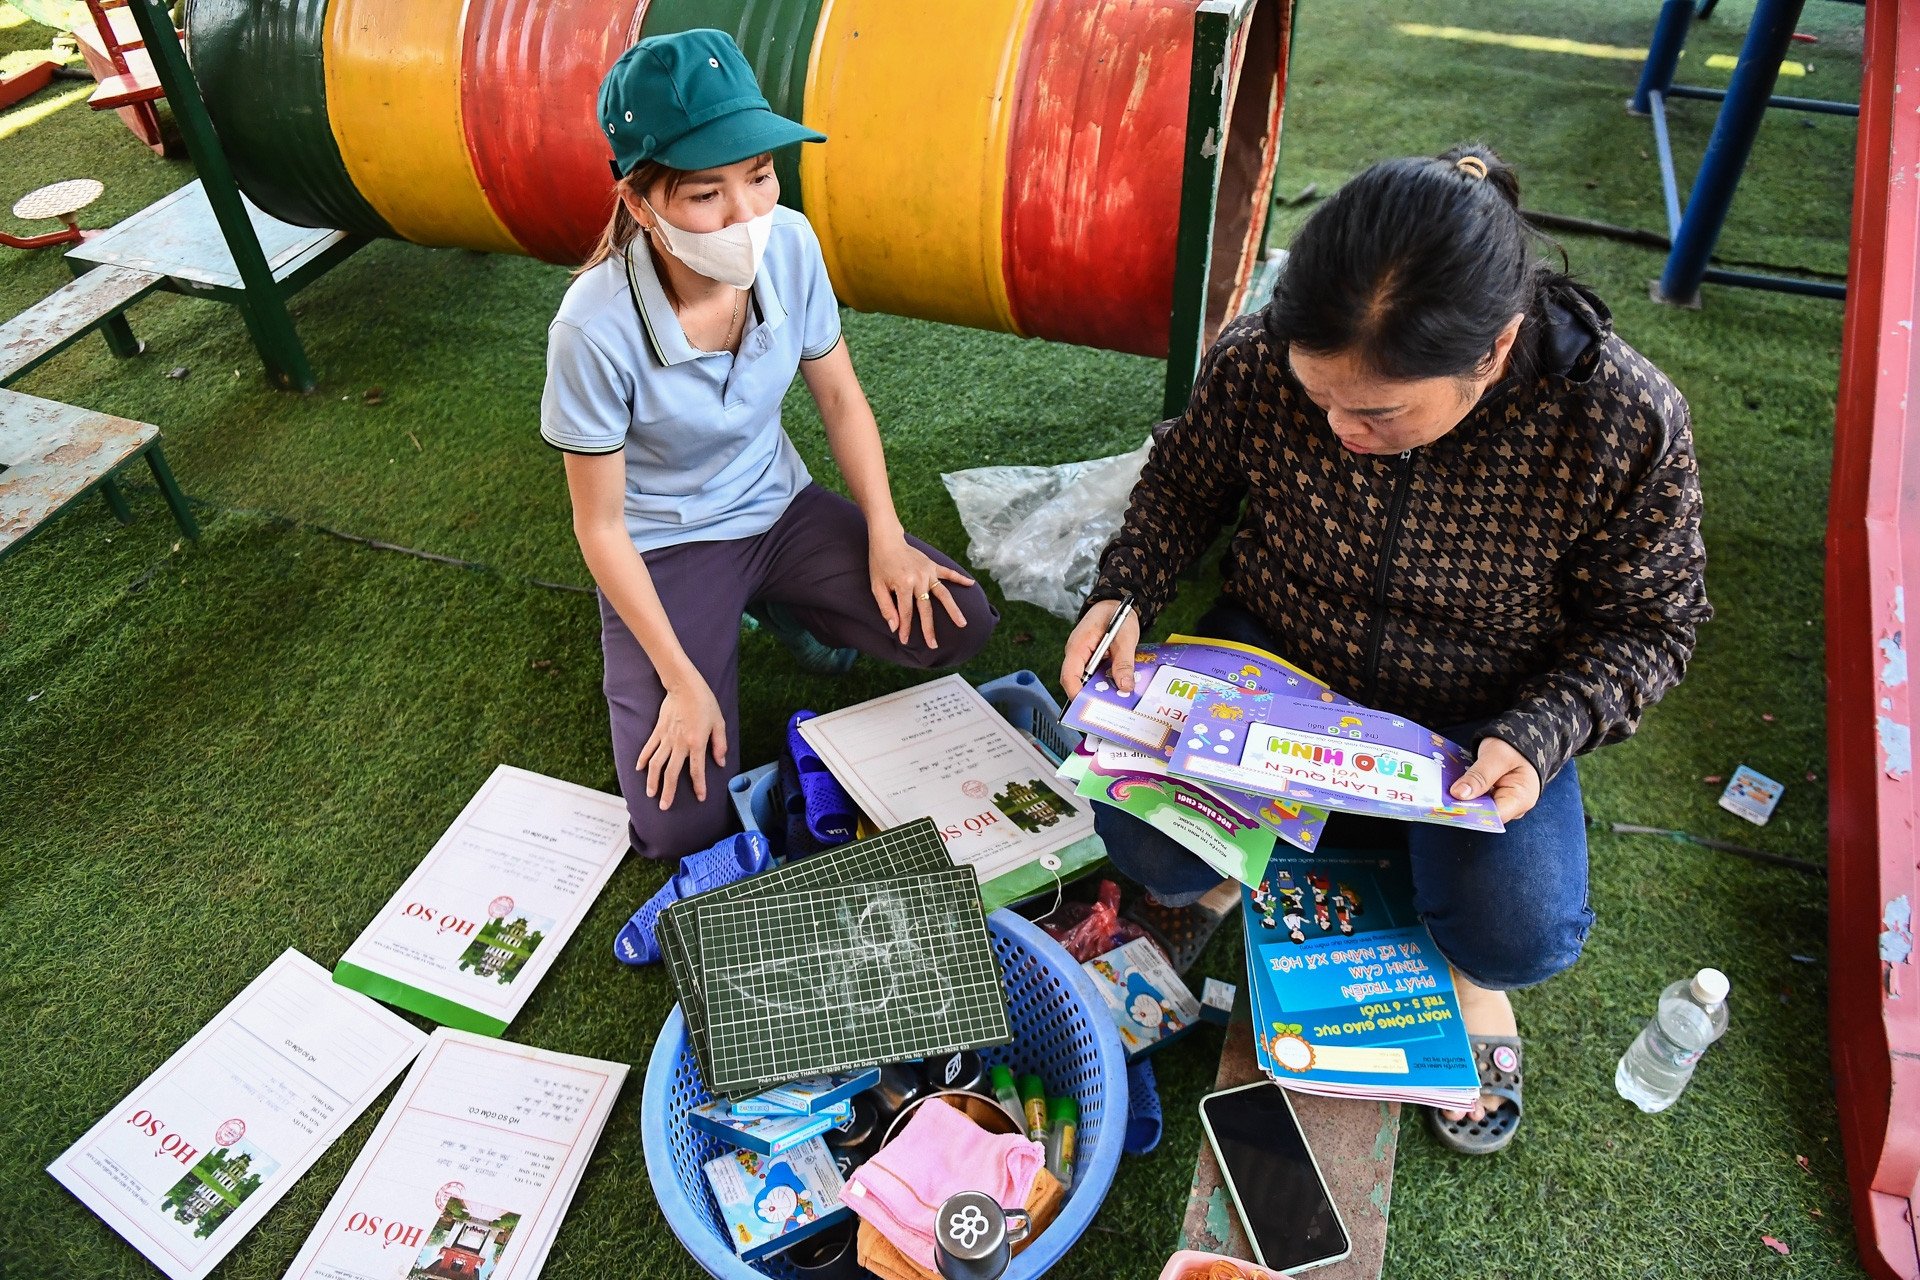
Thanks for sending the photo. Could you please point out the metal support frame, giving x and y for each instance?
(1215, 24)
(263, 303)
(1694, 229)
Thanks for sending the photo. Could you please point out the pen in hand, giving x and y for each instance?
(1120, 616)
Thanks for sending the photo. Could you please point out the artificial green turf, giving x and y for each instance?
(211, 753)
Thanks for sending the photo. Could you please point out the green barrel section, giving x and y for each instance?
(260, 71)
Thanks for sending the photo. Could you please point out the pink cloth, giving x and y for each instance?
(940, 1153)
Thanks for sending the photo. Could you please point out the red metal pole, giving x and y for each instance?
(1873, 534)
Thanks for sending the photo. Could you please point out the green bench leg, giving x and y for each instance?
(170, 489)
(116, 500)
(115, 329)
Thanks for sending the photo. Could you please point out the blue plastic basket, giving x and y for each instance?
(1061, 1032)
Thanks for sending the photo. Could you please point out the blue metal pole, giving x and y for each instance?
(1663, 55)
(1727, 150)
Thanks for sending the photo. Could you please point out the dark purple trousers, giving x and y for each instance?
(813, 561)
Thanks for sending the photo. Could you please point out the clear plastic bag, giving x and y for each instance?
(1039, 531)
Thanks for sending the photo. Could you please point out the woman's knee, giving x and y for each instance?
(1511, 948)
(957, 645)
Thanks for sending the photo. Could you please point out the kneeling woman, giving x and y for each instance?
(666, 366)
(1468, 502)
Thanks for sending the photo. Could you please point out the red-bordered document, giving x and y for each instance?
(472, 1168)
(194, 1157)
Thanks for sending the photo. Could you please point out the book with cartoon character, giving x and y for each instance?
(1131, 739)
(1149, 1003)
(1350, 998)
(768, 1134)
(770, 1203)
(1350, 758)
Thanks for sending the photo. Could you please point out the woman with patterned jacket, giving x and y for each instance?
(1461, 498)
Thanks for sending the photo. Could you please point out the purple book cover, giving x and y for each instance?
(1342, 757)
(1167, 677)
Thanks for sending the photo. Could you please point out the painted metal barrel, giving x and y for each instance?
(1007, 164)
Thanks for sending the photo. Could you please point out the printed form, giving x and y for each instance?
(477, 925)
(194, 1157)
(472, 1168)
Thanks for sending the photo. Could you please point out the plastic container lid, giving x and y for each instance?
(1710, 987)
(1063, 1110)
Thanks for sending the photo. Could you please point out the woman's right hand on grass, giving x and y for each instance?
(1086, 636)
(690, 724)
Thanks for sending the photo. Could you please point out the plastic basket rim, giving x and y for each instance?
(1100, 1159)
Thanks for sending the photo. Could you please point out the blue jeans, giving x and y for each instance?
(1507, 910)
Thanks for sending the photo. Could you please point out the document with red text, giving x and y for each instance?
(472, 1168)
(480, 921)
(194, 1157)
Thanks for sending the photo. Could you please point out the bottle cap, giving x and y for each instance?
(1710, 987)
(1031, 1086)
(1063, 1111)
(1002, 1078)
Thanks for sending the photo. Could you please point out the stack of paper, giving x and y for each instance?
(194, 1157)
(472, 1168)
(1350, 997)
(480, 921)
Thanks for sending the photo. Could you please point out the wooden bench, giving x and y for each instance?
(53, 454)
(90, 301)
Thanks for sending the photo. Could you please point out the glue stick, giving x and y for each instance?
(1033, 1102)
(1005, 1094)
(1065, 1113)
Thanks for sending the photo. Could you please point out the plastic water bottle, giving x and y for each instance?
(1660, 1061)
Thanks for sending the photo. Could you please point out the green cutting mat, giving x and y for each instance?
(809, 983)
(913, 848)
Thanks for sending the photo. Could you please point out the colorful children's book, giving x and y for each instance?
(810, 1096)
(768, 1135)
(1137, 732)
(1343, 757)
(1149, 1003)
(1350, 998)
(1217, 833)
(770, 1203)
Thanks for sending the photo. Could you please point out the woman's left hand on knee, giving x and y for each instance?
(908, 583)
(1502, 772)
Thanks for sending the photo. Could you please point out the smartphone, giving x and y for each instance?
(1276, 1186)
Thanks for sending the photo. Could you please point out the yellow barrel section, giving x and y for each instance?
(393, 92)
(907, 196)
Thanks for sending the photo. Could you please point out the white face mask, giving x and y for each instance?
(730, 255)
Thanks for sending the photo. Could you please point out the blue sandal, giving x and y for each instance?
(831, 813)
(734, 858)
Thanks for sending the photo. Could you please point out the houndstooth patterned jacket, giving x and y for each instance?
(1538, 568)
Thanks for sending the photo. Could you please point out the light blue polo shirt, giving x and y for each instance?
(706, 456)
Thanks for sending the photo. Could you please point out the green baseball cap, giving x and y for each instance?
(689, 101)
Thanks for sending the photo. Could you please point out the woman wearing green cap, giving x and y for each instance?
(666, 367)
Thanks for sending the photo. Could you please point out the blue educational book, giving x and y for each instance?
(1350, 997)
(768, 1135)
(770, 1203)
(809, 1096)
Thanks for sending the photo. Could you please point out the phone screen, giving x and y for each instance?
(1284, 1205)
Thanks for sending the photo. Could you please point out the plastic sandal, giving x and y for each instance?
(807, 650)
(793, 808)
(734, 858)
(1498, 1058)
(831, 814)
(1143, 1109)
